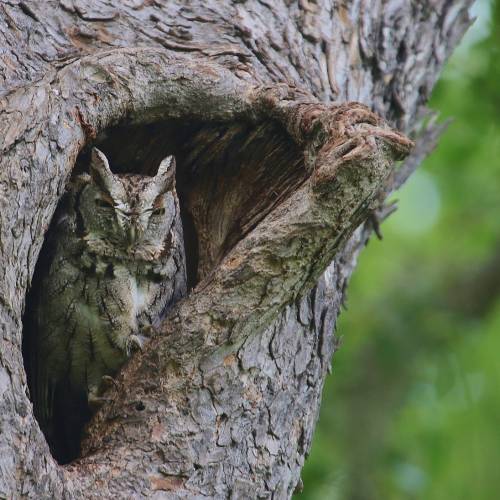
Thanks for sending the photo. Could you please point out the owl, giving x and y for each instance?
(114, 265)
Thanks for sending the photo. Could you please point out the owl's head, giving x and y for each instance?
(128, 210)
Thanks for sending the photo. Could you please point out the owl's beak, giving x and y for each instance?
(132, 234)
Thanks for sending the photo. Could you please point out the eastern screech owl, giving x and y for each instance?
(116, 264)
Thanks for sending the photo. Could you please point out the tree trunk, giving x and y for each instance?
(280, 189)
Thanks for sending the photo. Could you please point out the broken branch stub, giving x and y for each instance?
(351, 152)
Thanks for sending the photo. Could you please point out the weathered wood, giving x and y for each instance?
(224, 401)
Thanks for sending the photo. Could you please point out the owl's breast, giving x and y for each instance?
(139, 292)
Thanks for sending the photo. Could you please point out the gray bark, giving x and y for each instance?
(276, 182)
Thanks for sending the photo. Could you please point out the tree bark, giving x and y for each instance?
(278, 172)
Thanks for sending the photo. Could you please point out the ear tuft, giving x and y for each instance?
(166, 165)
(100, 171)
(165, 177)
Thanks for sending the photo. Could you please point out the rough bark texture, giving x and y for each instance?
(275, 182)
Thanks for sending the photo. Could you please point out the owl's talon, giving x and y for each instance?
(135, 343)
(147, 330)
(108, 381)
(95, 402)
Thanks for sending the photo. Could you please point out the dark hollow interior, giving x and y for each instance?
(229, 177)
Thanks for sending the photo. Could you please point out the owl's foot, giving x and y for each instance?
(107, 382)
(147, 330)
(95, 402)
(135, 343)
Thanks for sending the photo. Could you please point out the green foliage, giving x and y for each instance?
(413, 408)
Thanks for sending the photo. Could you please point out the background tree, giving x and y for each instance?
(224, 402)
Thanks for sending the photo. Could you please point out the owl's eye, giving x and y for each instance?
(159, 211)
(101, 202)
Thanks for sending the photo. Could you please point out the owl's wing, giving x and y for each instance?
(40, 391)
(45, 331)
(60, 407)
(36, 333)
